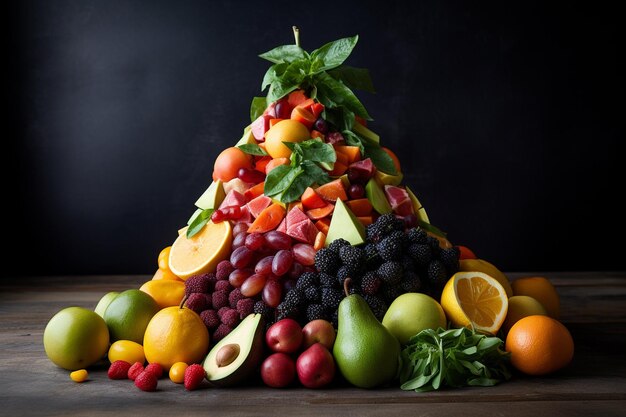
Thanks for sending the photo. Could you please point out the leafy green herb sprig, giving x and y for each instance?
(324, 76)
(454, 358)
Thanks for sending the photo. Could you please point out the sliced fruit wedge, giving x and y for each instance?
(202, 252)
(475, 299)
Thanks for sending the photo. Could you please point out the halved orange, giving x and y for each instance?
(475, 299)
(202, 252)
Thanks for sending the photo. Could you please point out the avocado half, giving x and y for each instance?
(237, 355)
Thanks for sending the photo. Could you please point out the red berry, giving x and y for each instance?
(146, 381)
(119, 370)
(194, 375)
(135, 370)
(155, 369)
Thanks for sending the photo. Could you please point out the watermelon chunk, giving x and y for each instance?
(246, 217)
(257, 204)
(233, 198)
(260, 126)
(282, 227)
(304, 231)
(295, 216)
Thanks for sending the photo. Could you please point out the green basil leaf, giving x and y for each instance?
(380, 158)
(279, 179)
(257, 107)
(316, 174)
(317, 151)
(284, 53)
(294, 191)
(199, 222)
(354, 78)
(279, 89)
(252, 149)
(334, 53)
(273, 74)
(340, 94)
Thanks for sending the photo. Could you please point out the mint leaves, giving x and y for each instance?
(288, 182)
(455, 358)
(199, 222)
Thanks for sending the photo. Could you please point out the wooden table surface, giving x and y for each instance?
(593, 308)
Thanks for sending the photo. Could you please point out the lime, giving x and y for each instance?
(128, 315)
(75, 338)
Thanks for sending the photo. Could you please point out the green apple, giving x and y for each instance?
(411, 313)
(104, 303)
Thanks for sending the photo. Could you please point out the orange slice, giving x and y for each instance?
(475, 299)
(202, 252)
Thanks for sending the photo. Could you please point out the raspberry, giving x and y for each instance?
(194, 375)
(234, 296)
(155, 369)
(230, 318)
(223, 286)
(135, 370)
(210, 319)
(221, 331)
(245, 307)
(198, 283)
(221, 311)
(198, 302)
(119, 370)
(146, 381)
(223, 270)
(219, 299)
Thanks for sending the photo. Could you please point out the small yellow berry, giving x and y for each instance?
(177, 372)
(79, 376)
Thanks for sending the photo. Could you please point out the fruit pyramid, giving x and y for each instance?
(307, 198)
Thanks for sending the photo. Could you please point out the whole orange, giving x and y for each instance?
(228, 163)
(539, 345)
(542, 290)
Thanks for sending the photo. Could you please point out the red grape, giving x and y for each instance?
(356, 191)
(277, 240)
(255, 241)
(253, 285)
(238, 276)
(250, 175)
(240, 227)
(272, 293)
(296, 270)
(304, 253)
(241, 257)
(264, 266)
(282, 262)
(239, 240)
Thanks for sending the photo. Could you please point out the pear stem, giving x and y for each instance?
(296, 34)
(346, 283)
(182, 302)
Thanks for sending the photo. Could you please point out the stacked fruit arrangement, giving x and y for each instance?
(307, 244)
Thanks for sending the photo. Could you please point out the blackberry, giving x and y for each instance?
(390, 272)
(436, 273)
(342, 274)
(390, 247)
(378, 306)
(416, 235)
(411, 282)
(327, 260)
(370, 283)
(352, 258)
(327, 280)
(450, 259)
(374, 232)
(312, 294)
(433, 242)
(314, 312)
(294, 298)
(264, 310)
(421, 253)
(407, 263)
(391, 292)
(338, 243)
(308, 279)
(331, 297)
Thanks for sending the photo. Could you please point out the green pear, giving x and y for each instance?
(367, 354)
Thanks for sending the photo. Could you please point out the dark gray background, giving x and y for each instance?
(506, 118)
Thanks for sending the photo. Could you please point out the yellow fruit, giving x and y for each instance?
(540, 289)
(165, 274)
(488, 268)
(166, 293)
(79, 376)
(75, 338)
(177, 372)
(128, 315)
(202, 252)
(163, 259)
(521, 306)
(284, 131)
(175, 335)
(126, 350)
(474, 299)
(539, 345)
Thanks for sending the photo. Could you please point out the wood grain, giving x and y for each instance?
(593, 308)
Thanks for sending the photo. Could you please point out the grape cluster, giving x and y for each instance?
(393, 261)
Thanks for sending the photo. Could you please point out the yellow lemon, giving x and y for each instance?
(175, 335)
(126, 350)
(488, 268)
